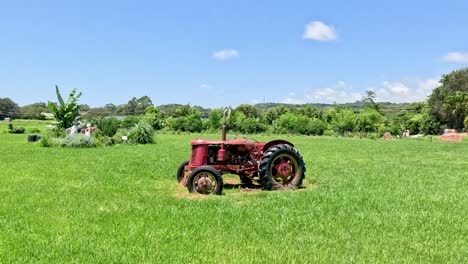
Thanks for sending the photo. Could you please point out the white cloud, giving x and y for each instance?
(456, 57)
(388, 91)
(340, 93)
(320, 31)
(293, 101)
(205, 86)
(226, 54)
(404, 92)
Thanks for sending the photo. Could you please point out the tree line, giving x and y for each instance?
(446, 107)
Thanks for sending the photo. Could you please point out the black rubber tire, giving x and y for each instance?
(180, 171)
(206, 169)
(245, 180)
(267, 180)
(32, 138)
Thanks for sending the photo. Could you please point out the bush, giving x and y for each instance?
(368, 120)
(466, 123)
(57, 132)
(117, 138)
(47, 141)
(15, 130)
(152, 116)
(77, 141)
(328, 132)
(250, 125)
(35, 130)
(129, 122)
(142, 133)
(292, 123)
(316, 127)
(343, 121)
(299, 124)
(191, 123)
(107, 126)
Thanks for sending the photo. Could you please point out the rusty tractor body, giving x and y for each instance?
(274, 165)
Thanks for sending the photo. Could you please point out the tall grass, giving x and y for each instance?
(107, 126)
(366, 201)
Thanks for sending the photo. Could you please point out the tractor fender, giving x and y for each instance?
(276, 142)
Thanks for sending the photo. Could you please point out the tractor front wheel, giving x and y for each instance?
(182, 171)
(205, 180)
(282, 168)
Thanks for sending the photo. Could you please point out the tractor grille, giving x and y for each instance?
(194, 154)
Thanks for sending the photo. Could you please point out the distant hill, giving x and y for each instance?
(385, 107)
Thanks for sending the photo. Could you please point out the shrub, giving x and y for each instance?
(328, 132)
(466, 123)
(117, 138)
(368, 120)
(152, 116)
(57, 132)
(15, 130)
(77, 141)
(292, 123)
(343, 121)
(142, 133)
(191, 123)
(299, 124)
(316, 127)
(250, 125)
(35, 130)
(47, 141)
(107, 126)
(129, 121)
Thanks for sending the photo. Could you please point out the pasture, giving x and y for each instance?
(365, 201)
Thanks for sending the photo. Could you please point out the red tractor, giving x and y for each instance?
(275, 165)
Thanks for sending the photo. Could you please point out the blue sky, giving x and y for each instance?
(218, 53)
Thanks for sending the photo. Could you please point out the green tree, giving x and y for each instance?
(250, 125)
(457, 106)
(368, 120)
(369, 100)
(34, 111)
(8, 108)
(309, 111)
(466, 124)
(343, 121)
(183, 110)
(191, 123)
(152, 117)
(65, 112)
(96, 112)
(247, 110)
(135, 106)
(429, 124)
(299, 124)
(456, 81)
(215, 118)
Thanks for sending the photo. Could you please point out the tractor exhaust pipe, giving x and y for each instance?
(222, 153)
(223, 133)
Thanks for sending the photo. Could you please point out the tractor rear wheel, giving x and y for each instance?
(282, 168)
(182, 171)
(205, 180)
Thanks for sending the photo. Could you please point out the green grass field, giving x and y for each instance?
(366, 201)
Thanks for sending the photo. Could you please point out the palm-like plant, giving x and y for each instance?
(65, 113)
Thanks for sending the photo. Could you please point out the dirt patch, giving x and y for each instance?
(247, 190)
(453, 137)
(230, 181)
